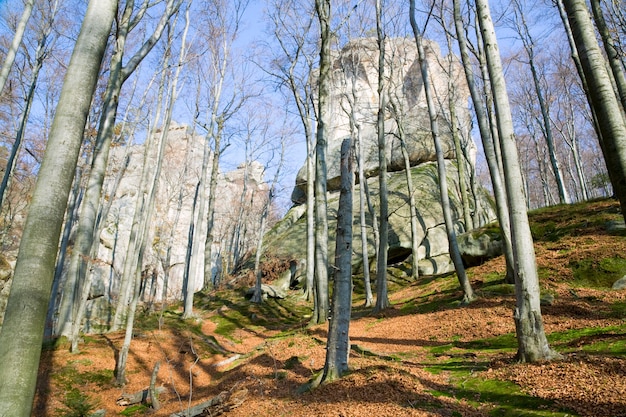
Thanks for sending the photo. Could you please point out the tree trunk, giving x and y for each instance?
(22, 330)
(9, 58)
(382, 297)
(601, 97)
(613, 55)
(532, 343)
(468, 293)
(338, 343)
(152, 188)
(321, 305)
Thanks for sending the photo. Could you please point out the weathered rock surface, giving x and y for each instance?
(287, 238)
(357, 63)
(354, 98)
(169, 225)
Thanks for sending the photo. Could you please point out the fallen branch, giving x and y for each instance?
(223, 402)
(227, 361)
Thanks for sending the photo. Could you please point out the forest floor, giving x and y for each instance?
(425, 356)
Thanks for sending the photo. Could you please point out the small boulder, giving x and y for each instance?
(546, 299)
(267, 291)
(620, 284)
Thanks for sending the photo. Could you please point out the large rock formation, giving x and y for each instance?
(169, 224)
(354, 91)
(354, 95)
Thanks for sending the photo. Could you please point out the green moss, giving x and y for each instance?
(135, 409)
(507, 398)
(598, 273)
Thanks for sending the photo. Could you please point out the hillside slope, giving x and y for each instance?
(424, 357)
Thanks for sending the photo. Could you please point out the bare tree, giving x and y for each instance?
(9, 58)
(24, 320)
(468, 293)
(532, 342)
(382, 298)
(601, 96)
(321, 304)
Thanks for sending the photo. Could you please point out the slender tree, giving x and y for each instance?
(22, 330)
(382, 298)
(321, 305)
(455, 254)
(338, 343)
(532, 342)
(9, 58)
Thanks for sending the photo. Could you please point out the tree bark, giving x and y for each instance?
(321, 305)
(22, 331)
(382, 297)
(532, 342)
(601, 96)
(338, 343)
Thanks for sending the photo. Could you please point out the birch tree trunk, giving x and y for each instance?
(24, 320)
(532, 342)
(455, 254)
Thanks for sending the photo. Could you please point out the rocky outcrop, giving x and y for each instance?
(169, 225)
(287, 238)
(354, 101)
(354, 86)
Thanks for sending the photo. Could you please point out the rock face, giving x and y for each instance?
(169, 225)
(287, 238)
(354, 94)
(354, 99)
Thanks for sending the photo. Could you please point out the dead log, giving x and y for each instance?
(223, 402)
